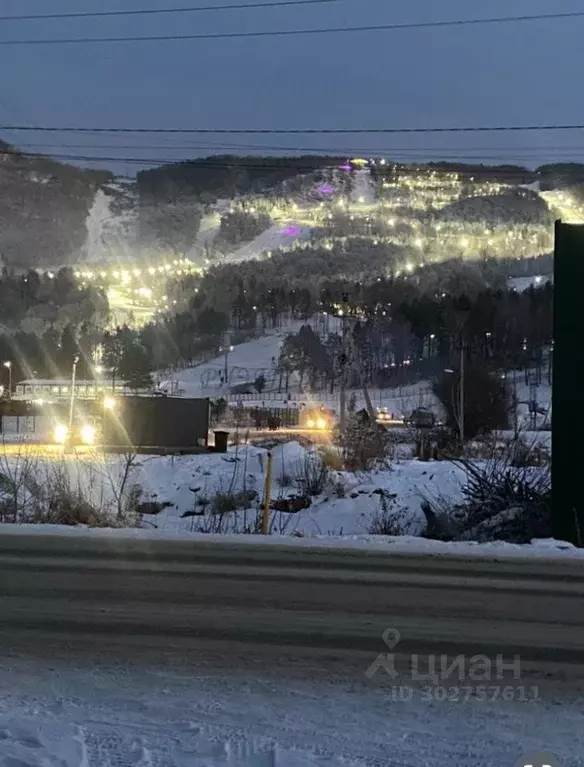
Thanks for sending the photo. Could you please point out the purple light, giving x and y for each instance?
(326, 189)
(292, 231)
(346, 166)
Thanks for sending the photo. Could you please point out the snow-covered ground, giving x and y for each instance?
(67, 711)
(280, 235)
(244, 364)
(345, 507)
(345, 511)
(363, 192)
(208, 230)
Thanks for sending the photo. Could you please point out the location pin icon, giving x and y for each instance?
(391, 638)
(538, 759)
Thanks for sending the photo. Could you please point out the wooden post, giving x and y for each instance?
(267, 498)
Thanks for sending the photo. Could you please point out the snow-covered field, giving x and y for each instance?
(188, 483)
(244, 468)
(345, 513)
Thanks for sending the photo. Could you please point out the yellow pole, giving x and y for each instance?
(267, 498)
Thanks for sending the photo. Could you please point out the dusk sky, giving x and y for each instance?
(511, 74)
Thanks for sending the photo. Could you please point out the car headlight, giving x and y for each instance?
(321, 423)
(109, 403)
(310, 424)
(88, 434)
(61, 433)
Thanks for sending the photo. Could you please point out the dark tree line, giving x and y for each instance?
(387, 343)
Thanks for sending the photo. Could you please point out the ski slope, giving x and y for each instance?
(244, 364)
(280, 235)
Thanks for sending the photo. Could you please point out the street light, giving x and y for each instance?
(9, 366)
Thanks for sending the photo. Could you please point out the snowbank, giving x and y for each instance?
(404, 545)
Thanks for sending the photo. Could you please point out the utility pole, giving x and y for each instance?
(343, 363)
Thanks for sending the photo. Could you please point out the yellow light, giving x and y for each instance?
(61, 432)
(146, 292)
(136, 272)
(152, 270)
(116, 275)
(321, 423)
(409, 267)
(418, 242)
(464, 242)
(88, 434)
(310, 424)
(109, 403)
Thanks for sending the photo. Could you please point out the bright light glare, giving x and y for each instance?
(310, 424)
(88, 434)
(61, 432)
(109, 403)
(321, 423)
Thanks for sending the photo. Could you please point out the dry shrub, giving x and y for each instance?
(389, 519)
(364, 443)
(501, 501)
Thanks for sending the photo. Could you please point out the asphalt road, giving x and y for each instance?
(164, 594)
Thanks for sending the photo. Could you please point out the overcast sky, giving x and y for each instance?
(493, 74)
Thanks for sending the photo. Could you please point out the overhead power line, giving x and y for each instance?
(165, 11)
(296, 131)
(296, 32)
(515, 150)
